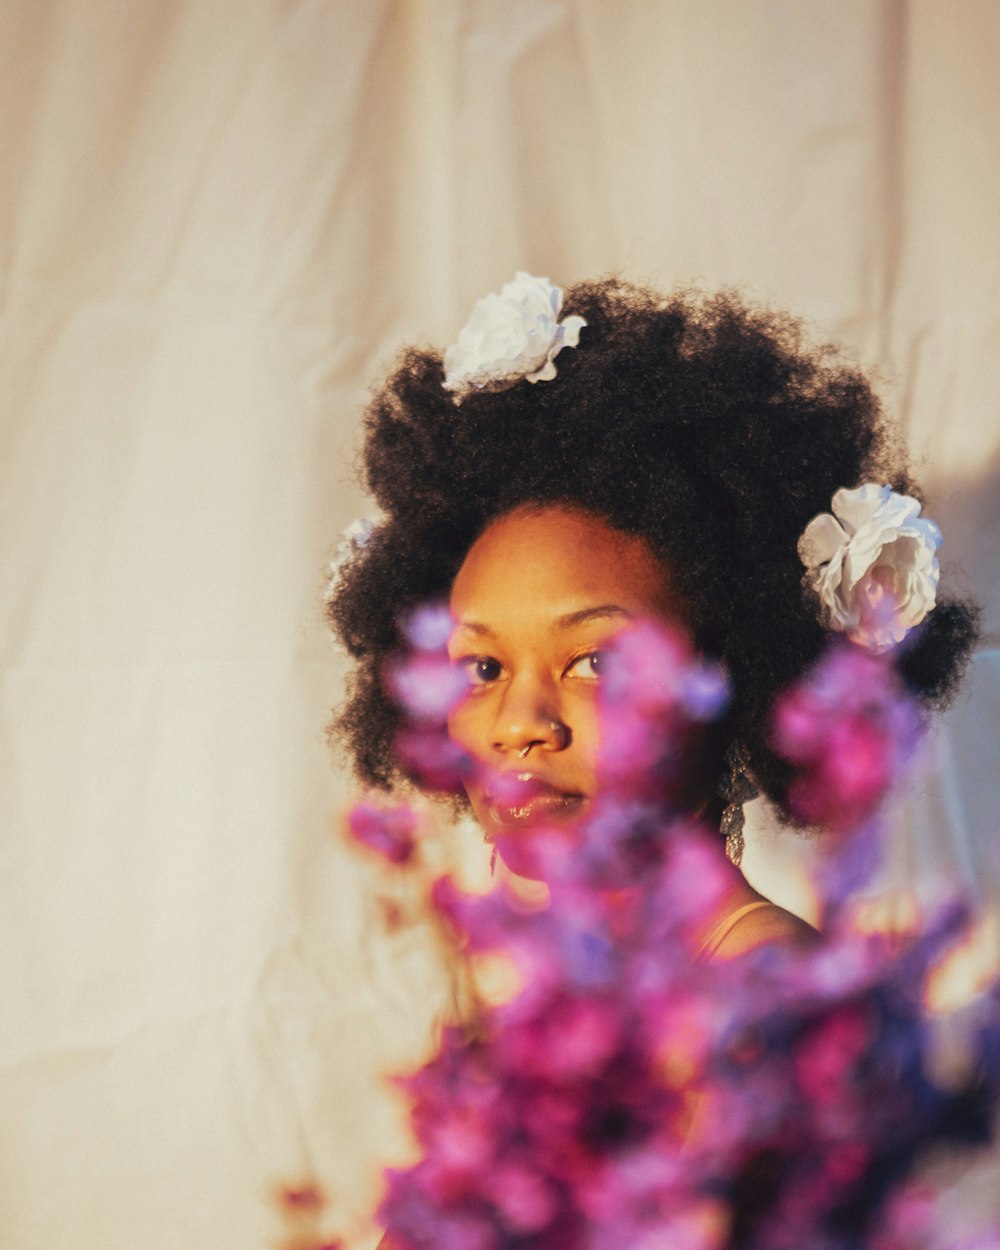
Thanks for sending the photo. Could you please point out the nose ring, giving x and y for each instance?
(558, 728)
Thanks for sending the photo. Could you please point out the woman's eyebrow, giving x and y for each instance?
(589, 614)
(474, 627)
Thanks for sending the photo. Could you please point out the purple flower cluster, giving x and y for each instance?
(559, 1119)
(850, 730)
(827, 1078)
(632, 1094)
(427, 686)
(389, 831)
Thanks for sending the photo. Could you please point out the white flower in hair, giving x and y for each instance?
(873, 564)
(354, 538)
(516, 334)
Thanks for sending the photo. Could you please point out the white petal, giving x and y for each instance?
(863, 553)
(856, 507)
(826, 581)
(820, 540)
(545, 374)
(571, 328)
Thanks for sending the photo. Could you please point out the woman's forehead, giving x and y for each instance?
(563, 560)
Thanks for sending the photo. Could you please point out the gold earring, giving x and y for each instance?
(731, 828)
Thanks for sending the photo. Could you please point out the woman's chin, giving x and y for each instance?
(537, 852)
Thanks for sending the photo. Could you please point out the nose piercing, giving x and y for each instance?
(557, 728)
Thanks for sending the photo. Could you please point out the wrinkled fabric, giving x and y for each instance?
(218, 223)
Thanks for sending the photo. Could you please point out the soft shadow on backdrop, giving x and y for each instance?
(218, 221)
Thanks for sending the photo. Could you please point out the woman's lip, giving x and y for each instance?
(540, 807)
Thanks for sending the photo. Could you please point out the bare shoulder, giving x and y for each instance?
(765, 925)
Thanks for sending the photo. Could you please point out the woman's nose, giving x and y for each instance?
(529, 716)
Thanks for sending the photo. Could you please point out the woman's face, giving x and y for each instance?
(540, 595)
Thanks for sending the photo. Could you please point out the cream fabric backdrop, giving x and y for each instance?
(219, 220)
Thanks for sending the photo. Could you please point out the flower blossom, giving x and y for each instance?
(849, 728)
(653, 689)
(516, 334)
(873, 564)
(390, 831)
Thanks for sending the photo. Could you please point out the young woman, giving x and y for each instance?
(572, 466)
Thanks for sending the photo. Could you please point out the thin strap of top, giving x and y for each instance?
(721, 931)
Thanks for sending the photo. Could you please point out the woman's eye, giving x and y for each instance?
(588, 666)
(480, 669)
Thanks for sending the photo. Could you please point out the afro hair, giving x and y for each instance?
(709, 427)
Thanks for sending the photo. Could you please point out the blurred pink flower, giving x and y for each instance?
(850, 729)
(653, 689)
(390, 831)
(572, 1038)
(428, 752)
(523, 1196)
(427, 685)
(429, 627)
(825, 1060)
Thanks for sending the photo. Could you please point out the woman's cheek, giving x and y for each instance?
(462, 727)
(580, 715)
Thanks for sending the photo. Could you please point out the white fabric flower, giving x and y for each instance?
(873, 564)
(516, 334)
